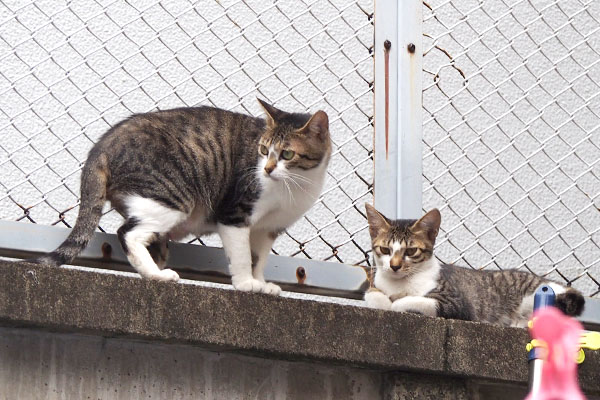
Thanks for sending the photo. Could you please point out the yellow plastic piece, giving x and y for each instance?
(590, 340)
(580, 356)
(535, 343)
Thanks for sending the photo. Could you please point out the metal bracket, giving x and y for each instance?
(24, 240)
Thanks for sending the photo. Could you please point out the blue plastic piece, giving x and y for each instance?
(544, 297)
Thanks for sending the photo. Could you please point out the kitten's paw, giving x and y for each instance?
(166, 275)
(397, 306)
(248, 284)
(271, 288)
(379, 300)
(417, 305)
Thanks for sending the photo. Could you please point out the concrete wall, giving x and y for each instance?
(42, 365)
(174, 340)
(52, 366)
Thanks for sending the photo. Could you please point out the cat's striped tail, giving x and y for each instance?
(570, 302)
(94, 177)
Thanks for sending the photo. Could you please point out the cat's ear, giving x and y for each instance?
(377, 221)
(429, 223)
(317, 125)
(271, 112)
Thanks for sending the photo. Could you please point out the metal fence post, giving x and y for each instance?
(398, 107)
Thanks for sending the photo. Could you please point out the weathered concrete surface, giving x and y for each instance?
(486, 351)
(72, 300)
(407, 386)
(81, 301)
(43, 365)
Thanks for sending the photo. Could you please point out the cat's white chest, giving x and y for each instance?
(416, 285)
(280, 205)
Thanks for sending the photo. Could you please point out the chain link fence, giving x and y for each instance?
(510, 96)
(511, 100)
(70, 70)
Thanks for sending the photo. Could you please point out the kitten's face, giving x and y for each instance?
(401, 246)
(292, 144)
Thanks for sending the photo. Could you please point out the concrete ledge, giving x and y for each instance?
(106, 304)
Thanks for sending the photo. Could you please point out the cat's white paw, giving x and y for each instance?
(379, 300)
(248, 284)
(166, 275)
(399, 306)
(416, 304)
(271, 288)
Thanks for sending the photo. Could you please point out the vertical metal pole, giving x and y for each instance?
(398, 108)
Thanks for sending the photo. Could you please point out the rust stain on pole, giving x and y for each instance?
(386, 49)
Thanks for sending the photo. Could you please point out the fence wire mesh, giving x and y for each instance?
(511, 98)
(511, 117)
(69, 70)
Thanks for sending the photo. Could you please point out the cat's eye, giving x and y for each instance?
(263, 150)
(287, 154)
(384, 250)
(411, 251)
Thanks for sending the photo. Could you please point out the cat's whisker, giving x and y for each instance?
(301, 177)
(298, 175)
(291, 179)
(289, 189)
(292, 194)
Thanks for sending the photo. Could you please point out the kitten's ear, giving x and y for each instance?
(271, 112)
(377, 221)
(429, 223)
(317, 125)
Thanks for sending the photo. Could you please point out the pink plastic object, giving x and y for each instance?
(559, 371)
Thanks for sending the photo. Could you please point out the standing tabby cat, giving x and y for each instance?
(199, 170)
(410, 279)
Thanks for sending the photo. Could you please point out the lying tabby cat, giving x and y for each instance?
(200, 170)
(409, 278)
